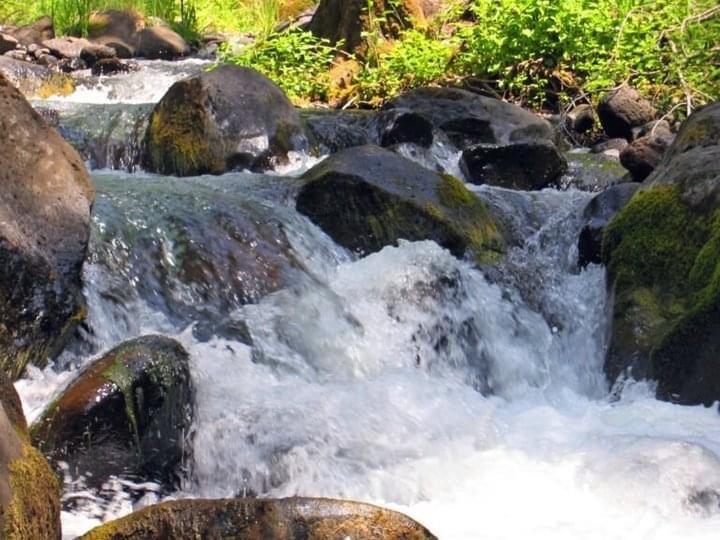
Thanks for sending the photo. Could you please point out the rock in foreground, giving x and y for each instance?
(127, 415)
(225, 119)
(29, 491)
(366, 198)
(259, 519)
(45, 205)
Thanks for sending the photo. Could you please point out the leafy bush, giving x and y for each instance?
(416, 59)
(296, 61)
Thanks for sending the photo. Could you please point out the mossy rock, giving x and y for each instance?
(367, 198)
(663, 256)
(228, 118)
(34, 80)
(29, 491)
(45, 202)
(258, 519)
(127, 414)
(664, 265)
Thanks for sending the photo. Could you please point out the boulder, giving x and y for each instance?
(35, 80)
(127, 415)
(611, 147)
(398, 126)
(469, 118)
(663, 257)
(224, 119)
(257, 519)
(623, 109)
(45, 202)
(37, 32)
(160, 42)
(598, 213)
(367, 198)
(581, 119)
(109, 66)
(527, 165)
(117, 29)
(7, 43)
(29, 491)
(74, 48)
(642, 155)
(348, 21)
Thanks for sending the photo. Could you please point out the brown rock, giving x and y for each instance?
(622, 110)
(160, 42)
(37, 32)
(257, 519)
(45, 208)
(7, 43)
(642, 155)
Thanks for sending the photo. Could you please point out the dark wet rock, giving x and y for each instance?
(399, 126)
(7, 43)
(29, 491)
(47, 60)
(598, 213)
(110, 66)
(160, 42)
(346, 21)
(256, 519)
(35, 80)
(623, 109)
(328, 132)
(656, 128)
(469, 119)
(367, 198)
(527, 166)
(663, 256)
(127, 415)
(45, 200)
(642, 155)
(581, 119)
(225, 119)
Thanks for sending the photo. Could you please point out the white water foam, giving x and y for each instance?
(411, 380)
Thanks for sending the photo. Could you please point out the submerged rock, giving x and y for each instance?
(470, 119)
(526, 166)
(367, 198)
(663, 256)
(257, 519)
(29, 491)
(127, 415)
(228, 118)
(45, 203)
(622, 110)
(34, 79)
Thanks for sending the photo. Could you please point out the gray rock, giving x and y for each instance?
(623, 109)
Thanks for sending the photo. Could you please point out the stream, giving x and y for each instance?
(473, 402)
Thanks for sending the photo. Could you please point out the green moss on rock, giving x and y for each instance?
(663, 259)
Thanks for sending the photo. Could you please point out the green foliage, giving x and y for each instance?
(668, 48)
(416, 59)
(296, 61)
(258, 17)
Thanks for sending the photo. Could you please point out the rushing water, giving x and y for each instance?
(472, 400)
